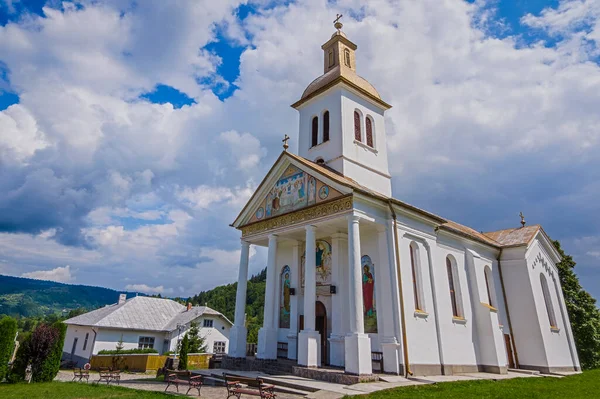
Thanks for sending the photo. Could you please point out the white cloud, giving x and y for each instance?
(59, 274)
(148, 290)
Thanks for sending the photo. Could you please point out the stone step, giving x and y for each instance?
(288, 382)
(280, 386)
(523, 371)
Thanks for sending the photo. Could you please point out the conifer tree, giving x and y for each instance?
(197, 344)
(183, 354)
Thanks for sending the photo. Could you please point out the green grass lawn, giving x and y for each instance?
(586, 385)
(74, 390)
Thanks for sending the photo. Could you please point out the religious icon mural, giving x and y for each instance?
(312, 190)
(324, 192)
(323, 256)
(289, 193)
(368, 289)
(284, 307)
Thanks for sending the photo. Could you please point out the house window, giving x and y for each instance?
(315, 131)
(146, 343)
(369, 128)
(548, 301)
(489, 285)
(326, 126)
(414, 263)
(347, 57)
(219, 347)
(208, 323)
(357, 132)
(166, 345)
(331, 60)
(87, 335)
(453, 286)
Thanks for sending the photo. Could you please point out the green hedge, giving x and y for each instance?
(126, 351)
(8, 331)
(17, 372)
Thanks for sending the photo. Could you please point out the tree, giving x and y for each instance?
(197, 344)
(117, 359)
(51, 364)
(41, 345)
(8, 331)
(17, 372)
(583, 312)
(183, 354)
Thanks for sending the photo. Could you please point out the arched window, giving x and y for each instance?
(453, 285)
(489, 286)
(369, 128)
(347, 57)
(357, 132)
(315, 131)
(326, 126)
(548, 301)
(416, 275)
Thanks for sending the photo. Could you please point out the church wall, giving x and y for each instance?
(555, 341)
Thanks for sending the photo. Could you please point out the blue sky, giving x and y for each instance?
(131, 133)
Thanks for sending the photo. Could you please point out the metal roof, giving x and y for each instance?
(143, 313)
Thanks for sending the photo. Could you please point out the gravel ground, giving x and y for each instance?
(147, 382)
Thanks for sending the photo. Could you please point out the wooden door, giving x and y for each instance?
(321, 327)
(509, 351)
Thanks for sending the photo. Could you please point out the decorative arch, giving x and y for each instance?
(415, 265)
(454, 286)
(314, 131)
(357, 127)
(284, 301)
(489, 286)
(369, 131)
(548, 301)
(368, 290)
(325, 126)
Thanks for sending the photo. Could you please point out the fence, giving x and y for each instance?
(145, 362)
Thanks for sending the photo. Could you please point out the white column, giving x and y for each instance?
(267, 335)
(309, 340)
(238, 333)
(357, 343)
(295, 283)
(385, 281)
(339, 300)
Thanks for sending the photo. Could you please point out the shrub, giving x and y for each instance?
(183, 355)
(17, 372)
(126, 351)
(51, 363)
(8, 331)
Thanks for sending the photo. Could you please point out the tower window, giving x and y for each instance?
(326, 126)
(331, 60)
(347, 57)
(315, 131)
(369, 128)
(357, 132)
(548, 301)
(454, 288)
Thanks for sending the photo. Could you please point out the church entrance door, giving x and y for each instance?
(509, 351)
(321, 327)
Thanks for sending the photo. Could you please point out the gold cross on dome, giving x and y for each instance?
(285, 144)
(336, 22)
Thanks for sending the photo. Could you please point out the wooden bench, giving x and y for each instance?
(183, 378)
(109, 375)
(282, 349)
(377, 357)
(236, 386)
(80, 374)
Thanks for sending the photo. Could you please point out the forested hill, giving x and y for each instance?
(33, 298)
(222, 298)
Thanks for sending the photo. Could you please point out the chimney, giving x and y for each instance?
(122, 298)
(189, 306)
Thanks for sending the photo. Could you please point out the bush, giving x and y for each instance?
(183, 355)
(8, 331)
(17, 372)
(126, 351)
(51, 363)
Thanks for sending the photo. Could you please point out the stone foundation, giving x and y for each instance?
(269, 366)
(550, 370)
(335, 376)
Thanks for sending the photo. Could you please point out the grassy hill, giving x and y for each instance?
(34, 298)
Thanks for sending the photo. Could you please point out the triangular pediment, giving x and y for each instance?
(289, 186)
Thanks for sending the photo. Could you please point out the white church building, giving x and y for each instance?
(353, 271)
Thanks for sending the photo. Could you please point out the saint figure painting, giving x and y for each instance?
(368, 289)
(284, 309)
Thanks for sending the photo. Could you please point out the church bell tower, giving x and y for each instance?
(342, 119)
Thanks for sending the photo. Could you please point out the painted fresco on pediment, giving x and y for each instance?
(294, 189)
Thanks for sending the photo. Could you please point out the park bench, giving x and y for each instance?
(80, 374)
(109, 375)
(236, 386)
(183, 378)
(377, 357)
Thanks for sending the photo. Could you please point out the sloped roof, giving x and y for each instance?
(514, 237)
(142, 313)
(497, 239)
